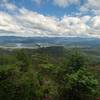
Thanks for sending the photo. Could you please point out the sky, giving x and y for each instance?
(29, 18)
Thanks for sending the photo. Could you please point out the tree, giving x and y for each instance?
(17, 86)
(80, 85)
(24, 60)
(76, 81)
(77, 60)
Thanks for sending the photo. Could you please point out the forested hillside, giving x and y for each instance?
(51, 73)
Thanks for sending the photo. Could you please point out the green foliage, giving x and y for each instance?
(17, 86)
(74, 78)
(80, 83)
(38, 75)
(77, 60)
(24, 60)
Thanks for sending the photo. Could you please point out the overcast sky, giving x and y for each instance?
(50, 18)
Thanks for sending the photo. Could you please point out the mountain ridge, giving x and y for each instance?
(50, 40)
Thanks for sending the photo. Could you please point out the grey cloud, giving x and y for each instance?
(92, 6)
(29, 23)
(64, 3)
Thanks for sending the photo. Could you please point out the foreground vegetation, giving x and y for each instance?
(52, 73)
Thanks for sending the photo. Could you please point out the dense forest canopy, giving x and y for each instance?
(52, 73)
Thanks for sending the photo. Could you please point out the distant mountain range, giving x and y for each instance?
(81, 41)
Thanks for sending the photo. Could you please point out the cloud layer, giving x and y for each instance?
(92, 6)
(24, 22)
(64, 3)
(89, 6)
